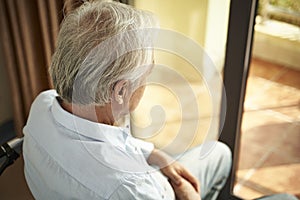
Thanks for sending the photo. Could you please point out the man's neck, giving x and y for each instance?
(100, 114)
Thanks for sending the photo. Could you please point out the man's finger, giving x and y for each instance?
(174, 185)
(175, 177)
(188, 176)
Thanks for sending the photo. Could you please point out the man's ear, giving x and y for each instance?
(120, 91)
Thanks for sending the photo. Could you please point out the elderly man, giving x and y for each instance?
(78, 143)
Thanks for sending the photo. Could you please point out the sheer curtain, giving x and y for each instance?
(28, 34)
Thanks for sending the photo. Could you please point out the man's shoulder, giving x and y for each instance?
(40, 108)
(45, 97)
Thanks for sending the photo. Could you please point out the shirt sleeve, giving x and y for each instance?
(146, 147)
(139, 189)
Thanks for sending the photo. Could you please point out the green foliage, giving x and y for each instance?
(293, 5)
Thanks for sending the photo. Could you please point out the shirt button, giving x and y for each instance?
(163, 196)
(135, 148)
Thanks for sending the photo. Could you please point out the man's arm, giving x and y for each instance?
(177, 174)
(172, 169)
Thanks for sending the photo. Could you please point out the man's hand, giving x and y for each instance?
(172, 169)
(185, 191)
(177, 174)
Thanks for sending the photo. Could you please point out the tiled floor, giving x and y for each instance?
(270, 145)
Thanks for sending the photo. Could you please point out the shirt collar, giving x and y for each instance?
(96, 131)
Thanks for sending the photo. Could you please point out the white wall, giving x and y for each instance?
(278, 43)
(216, 30)
(186, 17)
(6, 108)
(204, 21)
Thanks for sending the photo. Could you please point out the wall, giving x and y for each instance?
(6, 108)
(186, 17)
(278, 43)
(216, 31)
(204, 21)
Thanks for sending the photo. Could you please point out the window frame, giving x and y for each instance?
(236, 68)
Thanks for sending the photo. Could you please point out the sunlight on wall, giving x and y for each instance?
(204, 21)
(187, 18)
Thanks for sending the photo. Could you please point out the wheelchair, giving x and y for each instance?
(10, 152)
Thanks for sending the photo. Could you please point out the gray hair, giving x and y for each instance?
(100, 43)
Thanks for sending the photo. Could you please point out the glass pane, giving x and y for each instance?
(178, 110)
(269, 159)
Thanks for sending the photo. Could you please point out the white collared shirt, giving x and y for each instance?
(67, 157)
